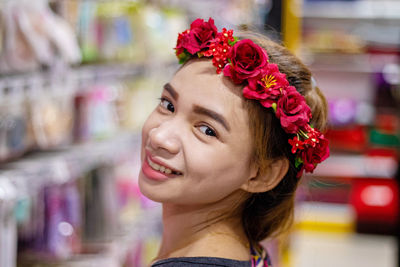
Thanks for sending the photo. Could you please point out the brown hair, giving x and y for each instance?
(271, 213)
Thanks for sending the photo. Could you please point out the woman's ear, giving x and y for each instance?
(261, 182)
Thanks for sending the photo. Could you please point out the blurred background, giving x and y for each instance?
(79, 77)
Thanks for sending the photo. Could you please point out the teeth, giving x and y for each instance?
(159, 168)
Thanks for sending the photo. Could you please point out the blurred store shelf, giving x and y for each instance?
(358, 166)
(113, 253)
(78, 157)
(325, 236)
(325, 217)
(334, 62)
(345, 250)
(77, 74)
(354, 10)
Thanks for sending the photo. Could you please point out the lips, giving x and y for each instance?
(161, 168)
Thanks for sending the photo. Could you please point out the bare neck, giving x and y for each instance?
(194, 231)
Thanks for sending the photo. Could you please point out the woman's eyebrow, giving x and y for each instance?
(212, 114)
(168, 87)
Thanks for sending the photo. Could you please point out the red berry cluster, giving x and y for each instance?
(310, 147)
(219, 49)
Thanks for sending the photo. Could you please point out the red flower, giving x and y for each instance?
(247, 61)
(292, 110)
(267, 87)
(226, 36)
(197, 38)
(313, 137)
(219, 49)
(296, 143)
(203, 32)
(186, 41)
(311, 156)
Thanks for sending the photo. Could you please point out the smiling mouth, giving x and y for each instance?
(161, 168)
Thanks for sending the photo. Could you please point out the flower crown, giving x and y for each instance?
(247, 63)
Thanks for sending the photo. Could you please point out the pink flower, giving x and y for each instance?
(292, 110)
(247, 61)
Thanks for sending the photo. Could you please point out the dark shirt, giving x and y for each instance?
(200, 262)
(259, 258)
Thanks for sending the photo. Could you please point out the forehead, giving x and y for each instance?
(197, 83)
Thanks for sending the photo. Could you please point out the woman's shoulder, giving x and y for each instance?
(201, 262)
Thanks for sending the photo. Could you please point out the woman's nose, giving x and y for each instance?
(164, 137)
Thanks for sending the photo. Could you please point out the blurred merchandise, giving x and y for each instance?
(359, 166)
(8, 223)
(105, 31)
(331, 249)
(96, 116)
(348, 111)
(47, 103)
(15, 132)
(129, 31)
(376, 203)
(34, 36)
(76, 207)
(140, 97)
(347, 211)
(333, 42)
(100, 205)
(365, 24)
(351, 138)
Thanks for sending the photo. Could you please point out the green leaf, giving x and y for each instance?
(274, 107)
(298, 162)
(182, 60)
(183, 57)
(230, 61)
(235, 39)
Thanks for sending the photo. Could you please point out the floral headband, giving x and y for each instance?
(247, 63)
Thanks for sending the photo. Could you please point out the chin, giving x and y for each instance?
(146, 188)
(152, 191)
(160, 192)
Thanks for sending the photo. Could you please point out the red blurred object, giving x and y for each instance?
(383, 152)
(352, 138)
(375, 200)
(387, 123)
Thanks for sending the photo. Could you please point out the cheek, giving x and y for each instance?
(149, 124)
(216, 175)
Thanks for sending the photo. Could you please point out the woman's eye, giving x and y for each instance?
(207, 130)
(167, 105)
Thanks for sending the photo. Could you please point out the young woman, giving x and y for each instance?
(224, 150)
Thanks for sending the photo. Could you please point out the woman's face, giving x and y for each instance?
(196, 146)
